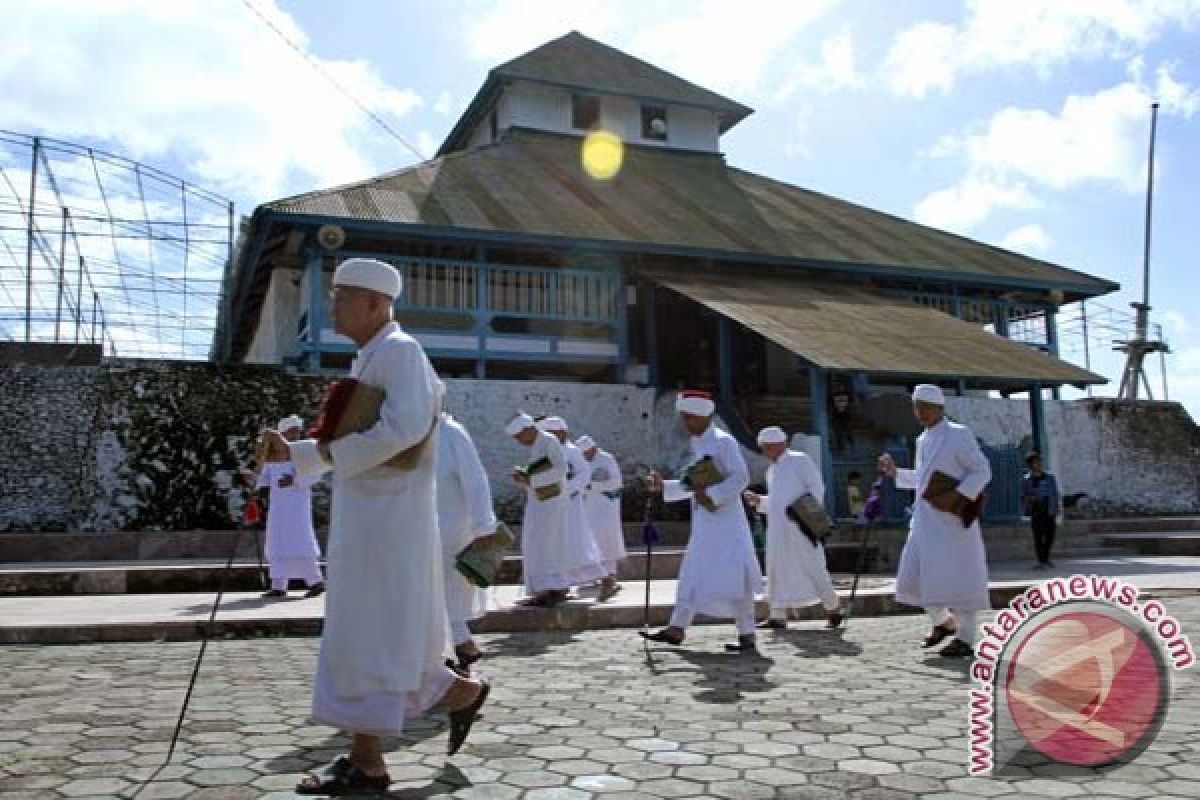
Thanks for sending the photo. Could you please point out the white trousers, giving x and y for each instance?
(459, 631)
(967, 621)
(683, 615)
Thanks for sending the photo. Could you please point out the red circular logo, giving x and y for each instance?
(1085, 688)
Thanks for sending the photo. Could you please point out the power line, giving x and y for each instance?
(346, 92)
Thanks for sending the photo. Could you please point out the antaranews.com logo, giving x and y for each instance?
(1074, 671)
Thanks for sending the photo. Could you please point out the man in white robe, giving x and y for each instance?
(602, 503)
(943, 567)
(719, 575)
(797, 575)
(554, 557)
(578, 472)
(465, 514)
(291, 550)
(383, 643)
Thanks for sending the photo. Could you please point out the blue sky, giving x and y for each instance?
(1020, 124)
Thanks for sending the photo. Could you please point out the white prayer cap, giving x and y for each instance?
(585, 443)
(699, 404)
(772, 434)
(929, 393)
(519, 423)
(368, 273)
(552, 424)
(287, 423)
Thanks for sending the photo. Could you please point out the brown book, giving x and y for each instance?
(810, 517)
(942, 494)
(480, 561)
(351, 406)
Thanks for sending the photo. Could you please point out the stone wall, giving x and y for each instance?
(1142, 458)
(132, 445)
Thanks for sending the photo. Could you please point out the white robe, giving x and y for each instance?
(464, 514)
(291, 547)
(385, 626)
(719, 570)
(579, 472)
(796, 571)
(944, 564)
(553, 555)
(602, 502)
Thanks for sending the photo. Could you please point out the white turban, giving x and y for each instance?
(552, 424)
(585, 443)
(519, 423)
(368, 273)
(929, 393)
(772, 435)
(698, 404)
(287, 423)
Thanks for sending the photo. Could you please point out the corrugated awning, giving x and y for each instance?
(852, 329)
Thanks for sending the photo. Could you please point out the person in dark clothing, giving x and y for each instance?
(1039, 490)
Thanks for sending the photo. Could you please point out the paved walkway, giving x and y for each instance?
(861, 714)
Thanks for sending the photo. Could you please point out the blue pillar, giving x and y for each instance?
(482, 314)
(622, 301)
(818, 397)
(1052, 341)
(1002, 310)
(1037, 421)
(316, 310)
(725, 359)
(650, 314)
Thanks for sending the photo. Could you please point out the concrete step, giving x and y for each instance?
(1139, 524)
(183, 616)
(201, 575)
(1165, 543)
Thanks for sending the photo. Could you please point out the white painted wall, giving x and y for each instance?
(532, 105)
(276, 333)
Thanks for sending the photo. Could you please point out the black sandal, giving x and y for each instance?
(937, 635)
(345, 779)
(465, 659)
(662, 636)
(462, 720)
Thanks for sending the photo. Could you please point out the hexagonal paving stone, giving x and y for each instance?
(652, 745)
(603, 783)
(93, 786)
(671, 787)
(221, 777)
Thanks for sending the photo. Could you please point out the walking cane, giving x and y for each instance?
(649, 537)
(872, 512)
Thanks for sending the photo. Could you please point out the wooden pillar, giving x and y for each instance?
(725, 359)
(482, 313)
(650, 315)
(818, 397)
(316, 309)
(1037, 421)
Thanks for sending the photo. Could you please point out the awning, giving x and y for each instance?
(851, 329)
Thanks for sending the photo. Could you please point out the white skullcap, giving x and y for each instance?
(287, 423)
(698, 404)
(519, 423)
(368, 273)
(585, 443)
(552, 424)
(929, 393)
(772, 435)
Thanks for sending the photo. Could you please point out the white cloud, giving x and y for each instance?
(1027, 238)
(1032, 33)
(834, 71)
(1093, 139)
(723, 46)
(969, 202)
(796, 144)
(221, 90)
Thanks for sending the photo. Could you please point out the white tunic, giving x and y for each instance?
(719, 570)
(579, 472)
(385, 626)
(943, 563)
(464, 514)
(554, 556)
(602, 502)
(290, 535)
(796, 571)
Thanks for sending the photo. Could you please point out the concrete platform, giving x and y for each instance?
(1164, 543)
(182, 616)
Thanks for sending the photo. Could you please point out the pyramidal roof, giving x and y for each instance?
(574, 61)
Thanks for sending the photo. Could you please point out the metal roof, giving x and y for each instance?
(531, 184)
(852, 329)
